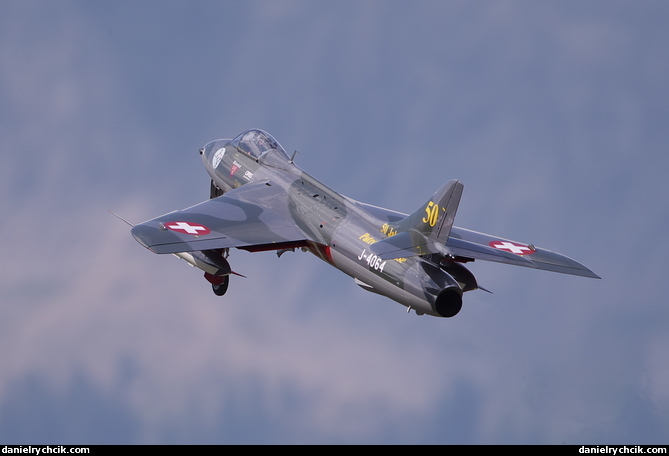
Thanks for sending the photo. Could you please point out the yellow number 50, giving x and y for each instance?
(432, 213)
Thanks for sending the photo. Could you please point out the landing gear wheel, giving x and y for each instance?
(214, 191)
(220, 289)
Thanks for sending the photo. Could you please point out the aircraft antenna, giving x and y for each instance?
(115, 214)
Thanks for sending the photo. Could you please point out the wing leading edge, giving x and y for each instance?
(252, 215)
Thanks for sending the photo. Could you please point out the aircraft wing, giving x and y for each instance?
(252, 215)
(471, 244)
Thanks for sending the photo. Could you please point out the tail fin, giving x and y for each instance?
(426, 230)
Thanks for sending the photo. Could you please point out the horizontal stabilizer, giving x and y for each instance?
(407, 244)
(426, 230)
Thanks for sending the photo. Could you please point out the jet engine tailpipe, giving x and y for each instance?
(438, 289)
(449, 301)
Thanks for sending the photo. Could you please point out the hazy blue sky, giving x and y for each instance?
(554, 114)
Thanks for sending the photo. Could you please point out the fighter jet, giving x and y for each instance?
(260, 200)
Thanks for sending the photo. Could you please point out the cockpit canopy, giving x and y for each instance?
(256, 142)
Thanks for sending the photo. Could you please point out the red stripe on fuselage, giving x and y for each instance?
(321, 251)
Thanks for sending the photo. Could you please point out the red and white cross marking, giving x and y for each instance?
(188, 228)
(513, 247)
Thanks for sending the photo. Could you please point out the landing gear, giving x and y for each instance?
(219, 284)
(221, 278)
(220, 289)
(214, 191)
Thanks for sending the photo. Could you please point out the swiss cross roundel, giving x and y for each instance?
(513, 247)
(187, 228)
